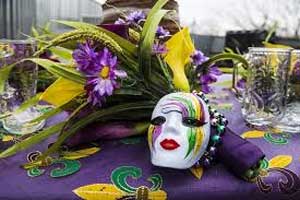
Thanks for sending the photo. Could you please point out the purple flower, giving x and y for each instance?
(93, 91)
(136, 17)
(211, 76)
(85, 57)
(159, 49)
(104, 82)
(198, 58)
(101, 71)
(241, 83)
(161, 32)
(120, 21)
(206, 89)
(296, 70)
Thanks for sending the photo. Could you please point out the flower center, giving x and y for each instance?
(104, 72)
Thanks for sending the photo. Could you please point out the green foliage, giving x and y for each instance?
(76, 35)
(59, 69)
(227, 56)
(148, 36)
(103, 113)
(63, 53)
(35, 139)
(125, 44)
(4, 75)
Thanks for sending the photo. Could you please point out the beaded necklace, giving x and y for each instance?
(218, 122)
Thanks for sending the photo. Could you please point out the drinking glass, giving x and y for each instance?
(19, 87)
(291, 121)
(265, 95)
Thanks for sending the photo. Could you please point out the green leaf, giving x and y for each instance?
(4, 75)
(34, 32)
(125, 44)
(60, 70)
(62, 52)
(148, 37)
(35, 139)
(227, 56)
(108, 112)
(29, 103)
(47, 115)
(83, 153)
(128, 92)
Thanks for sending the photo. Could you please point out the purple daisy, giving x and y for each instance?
(198, 58)
(161, 32)
(136, 17)
(159, 49)
(85, 57)
(104, 82)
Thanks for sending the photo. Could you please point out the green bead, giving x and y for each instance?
(220, 128)
(216, 138)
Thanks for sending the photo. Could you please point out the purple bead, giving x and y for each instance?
(206, 162)
(212, 151)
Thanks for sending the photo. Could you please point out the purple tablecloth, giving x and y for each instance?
(216, 182)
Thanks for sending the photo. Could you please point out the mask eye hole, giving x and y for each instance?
(192, 122)
(157, 121)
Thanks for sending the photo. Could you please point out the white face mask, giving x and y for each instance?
(179, 132)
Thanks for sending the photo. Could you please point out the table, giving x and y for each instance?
(133, 154)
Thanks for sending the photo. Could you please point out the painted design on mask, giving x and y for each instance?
(153, 133)
(191, 109)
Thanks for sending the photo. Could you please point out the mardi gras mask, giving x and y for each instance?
(179, 132)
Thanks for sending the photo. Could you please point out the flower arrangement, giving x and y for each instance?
(106, 77)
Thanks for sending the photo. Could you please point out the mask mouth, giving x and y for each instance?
(169, 144)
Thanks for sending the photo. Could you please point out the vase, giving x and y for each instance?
(265, 95)
(19, 87)
(291, 122)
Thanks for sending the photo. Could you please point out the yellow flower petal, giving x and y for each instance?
(7, 138)
(99, 192)
(281, 161)
(253, 134)
(61, 92)
(74, 155)
(180, 48)
(197, 172)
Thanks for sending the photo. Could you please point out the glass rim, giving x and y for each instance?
(16, 41)
(266, 50)
(296, 51)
